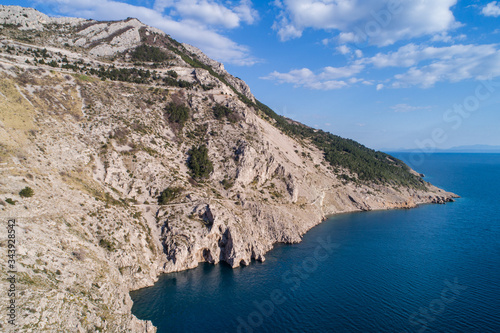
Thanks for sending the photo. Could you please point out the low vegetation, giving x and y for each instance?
(10, 201)
(177, 114)
(199, 163)
(171, 81)
(172, 73)
(134, 75)
(27, 192)
(223, 112)
(148, 53)
(169, 194)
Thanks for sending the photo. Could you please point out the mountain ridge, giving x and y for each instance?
(146, 157)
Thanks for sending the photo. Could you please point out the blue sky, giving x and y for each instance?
(388, 73)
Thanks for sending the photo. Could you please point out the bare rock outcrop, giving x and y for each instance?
(31, 19)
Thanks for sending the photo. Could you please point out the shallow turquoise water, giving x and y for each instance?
(431, 269)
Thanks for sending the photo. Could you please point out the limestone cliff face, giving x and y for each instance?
(97, 154)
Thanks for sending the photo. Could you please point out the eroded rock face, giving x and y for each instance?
(98, 153)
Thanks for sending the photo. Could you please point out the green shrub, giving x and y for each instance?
(149, 53)
(209, 86)
(172, 73)
(169, 194)
(170, 81)
(177, 114)
(184, 84)
(26, 192)
(221, 112)
(199, 162)
(134, 75)
(10, 201)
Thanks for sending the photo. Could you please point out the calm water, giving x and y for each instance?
(431, 269)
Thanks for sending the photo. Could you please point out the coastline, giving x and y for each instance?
(447, 198)
(443, 198)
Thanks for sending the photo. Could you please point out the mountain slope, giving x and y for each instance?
(147, 157)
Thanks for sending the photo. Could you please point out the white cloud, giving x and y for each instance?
(445, 64)
(286, 30)
(408, 108)
(329, 73)
(412, 54)
(329, 78)
(446, 38)
(197, 25)
(343, 49)
(491, 9)
(207, 12)
(424, 67)
(210, 12)
(375, 22)
(245, 12)
(442, 37)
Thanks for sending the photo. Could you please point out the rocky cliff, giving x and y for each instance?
(101, 121)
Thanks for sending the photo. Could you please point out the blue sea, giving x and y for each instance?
(435, 268)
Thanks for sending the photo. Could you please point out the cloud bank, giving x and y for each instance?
(491, 9)
(374, 22)
(424, 66)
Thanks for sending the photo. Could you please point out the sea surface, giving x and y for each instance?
(435, 268)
